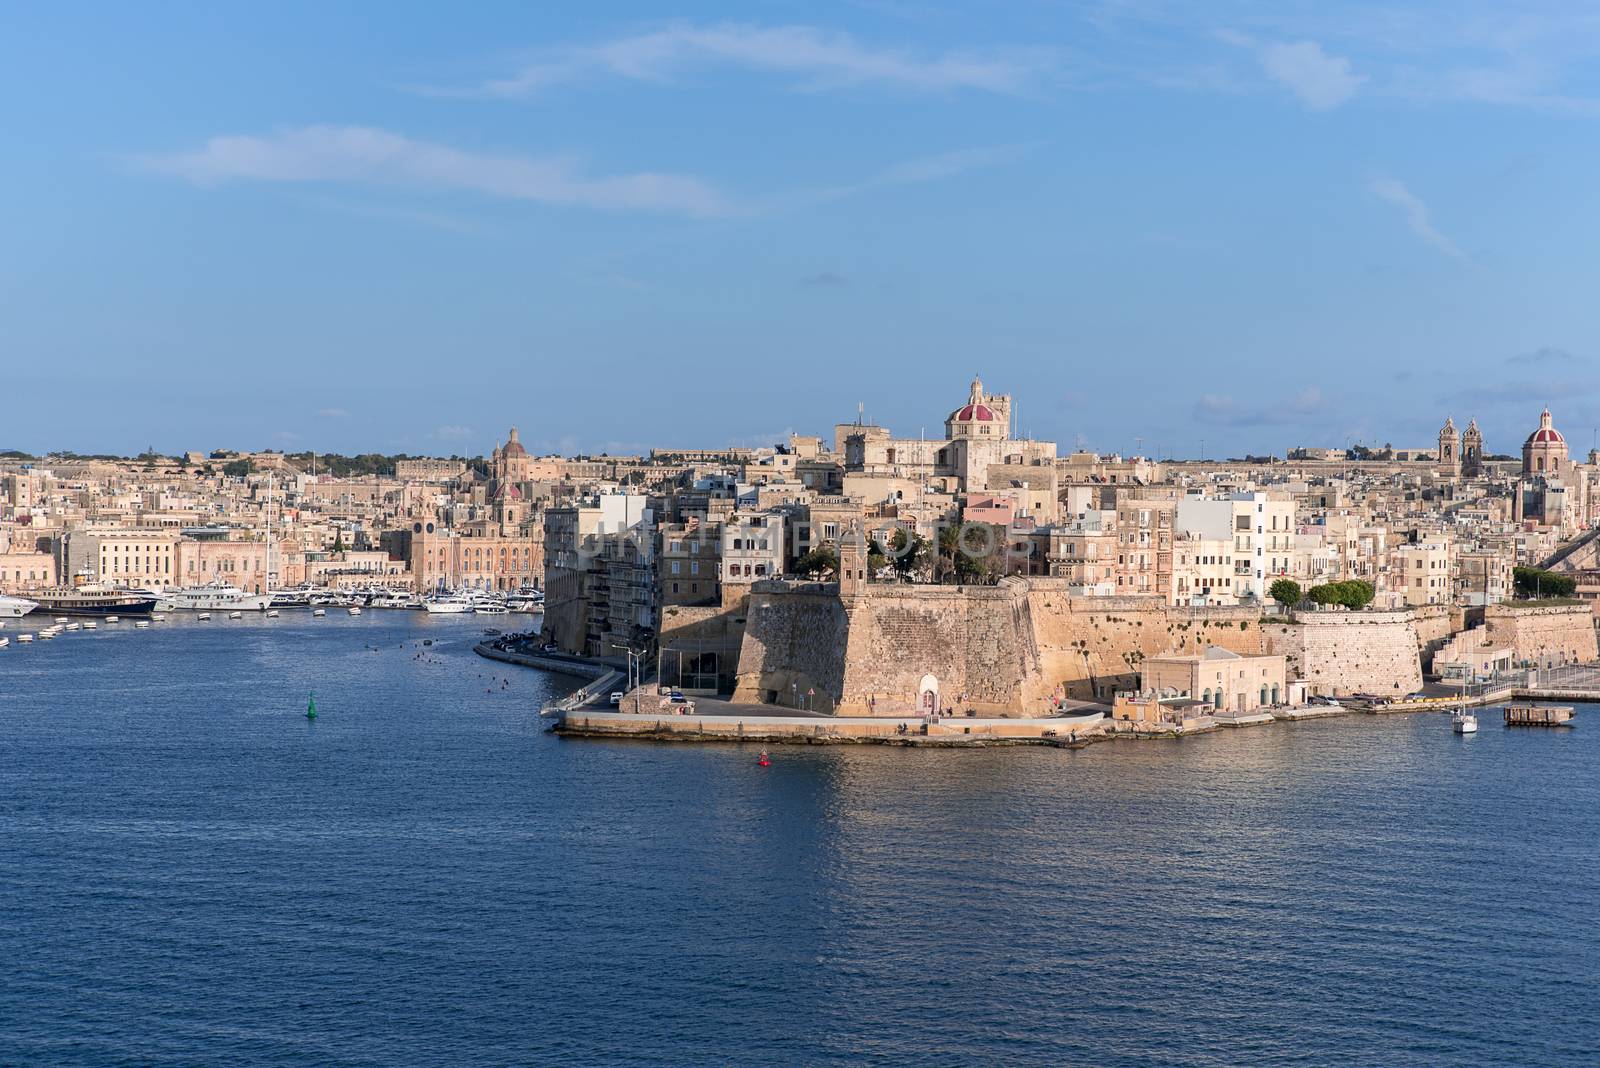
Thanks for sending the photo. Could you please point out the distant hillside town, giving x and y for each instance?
(693, 558)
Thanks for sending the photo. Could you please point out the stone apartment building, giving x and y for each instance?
(600, 573)
(752, 548)
(688, 571)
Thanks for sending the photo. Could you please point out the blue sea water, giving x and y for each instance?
(191, 873)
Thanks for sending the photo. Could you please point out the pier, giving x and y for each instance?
(1530, 715)
(957, 731)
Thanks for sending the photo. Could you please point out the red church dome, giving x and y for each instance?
(974, 413)
(1546, 434)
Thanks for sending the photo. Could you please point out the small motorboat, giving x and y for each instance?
(141, 624)
(353, 610)
(235, 615)
(272, 613)
(113, 619)
(158, 618)
(71, 626)
(4, 642)
(89, 624)
(203, 616)
(318, 613)
(24, 639)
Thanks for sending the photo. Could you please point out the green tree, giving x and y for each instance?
(237, 468)
(909, 551)
(1534, 582)
(876, 557)
(822, 560)
(971, 552)
(338, 541)
(1285, 591)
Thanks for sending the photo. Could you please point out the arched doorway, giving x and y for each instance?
(928, 696)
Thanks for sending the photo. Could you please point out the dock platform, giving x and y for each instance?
(1529, 715)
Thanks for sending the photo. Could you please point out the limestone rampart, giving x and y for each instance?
(975, 642)
(1343, 653)
(1093, 646)
(1010, 649)
(1544, 634)
(794, 642)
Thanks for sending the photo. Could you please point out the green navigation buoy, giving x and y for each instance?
(311, 707)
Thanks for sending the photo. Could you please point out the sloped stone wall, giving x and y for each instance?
(977, 642)
(1093, 646)
(1544, 634)
(1343, 653)
(794, 640)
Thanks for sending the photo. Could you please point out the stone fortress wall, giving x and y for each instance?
(795, 637)
(1012, 648)
(1344, 653)
(1092, 646)
(975, 642)
(1545, 634)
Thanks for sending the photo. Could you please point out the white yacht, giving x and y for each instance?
(449, 604)
(395, 599)
(1462, 721)
(16, 607)
(525, 600)
(163, 599)
(218, 596)
(300, 598)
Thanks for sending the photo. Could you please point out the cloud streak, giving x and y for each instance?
(817, 59)
(1418, 218)
(1322, 82)
(364, 155)
(1224, 410)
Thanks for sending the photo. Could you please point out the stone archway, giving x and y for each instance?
(928, 696)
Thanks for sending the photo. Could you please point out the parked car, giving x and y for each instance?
(677, 698)
(616, 698)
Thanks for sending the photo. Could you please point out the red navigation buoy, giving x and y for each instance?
(762, 761)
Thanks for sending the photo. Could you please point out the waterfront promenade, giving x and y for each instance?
(745, 724)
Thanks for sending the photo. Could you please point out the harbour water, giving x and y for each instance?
(194, 874)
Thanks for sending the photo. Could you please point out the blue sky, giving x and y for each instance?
(334, 227)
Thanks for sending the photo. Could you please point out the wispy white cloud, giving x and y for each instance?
(357, 155)
(452, 432)
(820, 59)
(1225, 410)
(333, 413)
(363, 155)
(1321, 81)
(932, 168)
(1416, 212)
